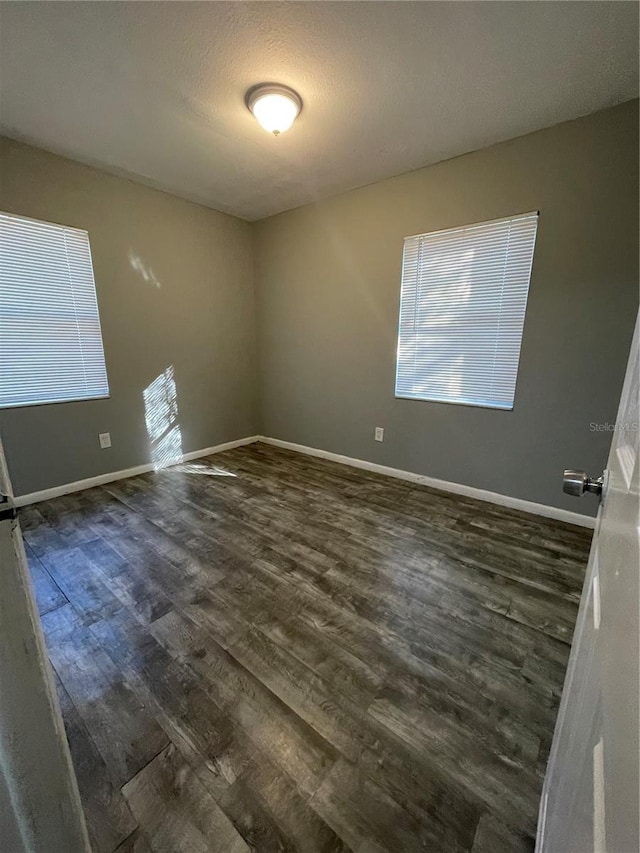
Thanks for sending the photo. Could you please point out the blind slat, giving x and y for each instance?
(462, 307)
(50, 339)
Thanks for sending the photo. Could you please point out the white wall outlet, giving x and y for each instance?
(379, 435)
(105, 440)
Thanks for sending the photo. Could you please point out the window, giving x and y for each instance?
(50, 340)
(462, 307)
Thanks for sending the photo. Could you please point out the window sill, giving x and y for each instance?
(493, 406)
(53, 402)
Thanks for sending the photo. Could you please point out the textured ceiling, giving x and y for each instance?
(155, 90)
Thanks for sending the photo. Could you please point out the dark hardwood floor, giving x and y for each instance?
(265, 651)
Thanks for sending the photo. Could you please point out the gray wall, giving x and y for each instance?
(327, 281)
(328, 286)
(194, 310)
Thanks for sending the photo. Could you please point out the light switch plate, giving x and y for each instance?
(105, 440)
(379, 434)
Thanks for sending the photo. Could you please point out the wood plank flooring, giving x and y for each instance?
(266, 651)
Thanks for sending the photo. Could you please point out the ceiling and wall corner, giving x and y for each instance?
(151, 92)
(155, 91)
(174, 282)
(327, 280)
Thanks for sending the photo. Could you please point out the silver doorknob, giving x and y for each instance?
(577, 483)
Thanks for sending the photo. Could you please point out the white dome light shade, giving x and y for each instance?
(275, 107)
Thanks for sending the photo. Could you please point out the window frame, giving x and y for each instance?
(73, 399)
(452, 402)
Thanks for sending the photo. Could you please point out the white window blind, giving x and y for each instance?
(462, 307)
(50, 340)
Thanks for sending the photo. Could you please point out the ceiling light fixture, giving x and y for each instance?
(275, 107)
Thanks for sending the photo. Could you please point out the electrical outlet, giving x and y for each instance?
(379, 434)
(105, 440)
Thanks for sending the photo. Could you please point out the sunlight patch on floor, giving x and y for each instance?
(207, 470)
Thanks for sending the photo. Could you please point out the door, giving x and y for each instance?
(590, 795)
(39, 803)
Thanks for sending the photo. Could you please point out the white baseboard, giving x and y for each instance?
(112, 476)
(443, 485)
(422, 479)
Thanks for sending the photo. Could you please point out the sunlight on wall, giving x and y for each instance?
(144, 271)
(163, 429)
(161, 416)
